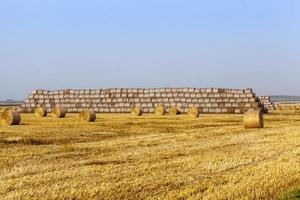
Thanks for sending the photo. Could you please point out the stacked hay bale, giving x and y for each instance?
(121, 100)
(11, 106)
(266, 103)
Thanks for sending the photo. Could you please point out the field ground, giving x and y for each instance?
(294, 195)
(124, 157)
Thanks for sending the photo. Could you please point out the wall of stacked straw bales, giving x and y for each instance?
(15, 107)
(121, 100)
(266, 103)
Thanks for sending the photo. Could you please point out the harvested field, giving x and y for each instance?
(156, 157)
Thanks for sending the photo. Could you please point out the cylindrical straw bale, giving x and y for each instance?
(58, 112)
(254, 119)
(193, 112)
(174, 111)
(87, 116)
(40, 112)
(160, 110)
(136, 111)
(9, 117)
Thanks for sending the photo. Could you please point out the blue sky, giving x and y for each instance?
(54, 44)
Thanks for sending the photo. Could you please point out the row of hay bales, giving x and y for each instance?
(12, 117)
(160, 110)
(87, 115)
(121, 100)
(283, 106)
(252, 119)
(90, 115)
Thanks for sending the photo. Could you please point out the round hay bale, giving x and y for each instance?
(136, 111)
(9, 118)
(160, 110)
(88, 116)
(174, 111)
(254, 119)
(193, 112)
(58, 112)
(40, 112)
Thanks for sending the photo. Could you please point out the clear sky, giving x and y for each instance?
(55, 44)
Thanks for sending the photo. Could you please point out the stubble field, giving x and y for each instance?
(149, 157)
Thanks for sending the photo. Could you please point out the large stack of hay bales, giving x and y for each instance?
(121, 100)
(266, 103)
